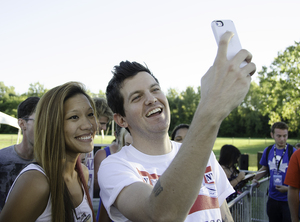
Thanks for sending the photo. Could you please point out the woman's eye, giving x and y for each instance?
(91, 114)
(73, 117)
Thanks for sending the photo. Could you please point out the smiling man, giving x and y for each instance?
(154, 179)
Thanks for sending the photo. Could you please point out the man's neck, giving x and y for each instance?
(280, 147)
(153, 146)
(24, 151)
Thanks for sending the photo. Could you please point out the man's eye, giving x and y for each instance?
(135, 98)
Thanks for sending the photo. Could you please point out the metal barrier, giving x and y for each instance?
(251, 204)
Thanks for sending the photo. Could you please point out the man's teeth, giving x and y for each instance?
(154, 111)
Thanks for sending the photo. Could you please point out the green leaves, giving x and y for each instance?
(279, 87)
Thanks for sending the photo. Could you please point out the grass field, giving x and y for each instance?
(250, 146)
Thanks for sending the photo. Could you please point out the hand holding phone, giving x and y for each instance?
(219, 27)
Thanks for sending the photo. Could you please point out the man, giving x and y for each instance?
(275, 161)
(15, 157)
(293, 180)
(154, 180)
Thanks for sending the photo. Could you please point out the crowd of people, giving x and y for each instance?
(143, 175)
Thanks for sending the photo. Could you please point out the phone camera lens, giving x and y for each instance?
(219, 23)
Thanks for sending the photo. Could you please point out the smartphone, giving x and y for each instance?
(219, 27)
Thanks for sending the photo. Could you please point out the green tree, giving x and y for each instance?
(246, 120)
(9, 102)
(100, 94)
(36, 89)
(182, 105)
(279, 88)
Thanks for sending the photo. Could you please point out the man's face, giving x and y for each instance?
(280, 136)
(102, 123)
(29, 129)
(146, 107)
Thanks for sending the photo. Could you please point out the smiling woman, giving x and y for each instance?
(65, 126)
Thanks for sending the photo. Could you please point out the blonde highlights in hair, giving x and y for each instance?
(49, 144)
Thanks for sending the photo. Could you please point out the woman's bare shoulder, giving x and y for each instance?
(28, 198)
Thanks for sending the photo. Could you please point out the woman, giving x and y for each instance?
(54, 188)
(179, 132)
(229, 158)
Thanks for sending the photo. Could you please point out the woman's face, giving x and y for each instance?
(180, 134)
(79, 124)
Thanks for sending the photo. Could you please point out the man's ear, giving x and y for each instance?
(120, 120)
(272, 135)
(21, 123)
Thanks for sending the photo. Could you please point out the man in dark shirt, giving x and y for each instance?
(15, 157)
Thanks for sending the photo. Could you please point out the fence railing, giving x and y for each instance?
(251, 204)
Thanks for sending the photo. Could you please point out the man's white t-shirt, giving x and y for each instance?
(130, 165)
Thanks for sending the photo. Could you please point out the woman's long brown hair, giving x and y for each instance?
(49, 144)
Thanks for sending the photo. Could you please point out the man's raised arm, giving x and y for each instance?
(223, 88)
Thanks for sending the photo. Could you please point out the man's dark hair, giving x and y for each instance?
(121, 72)
(27, 107)
(279, 125)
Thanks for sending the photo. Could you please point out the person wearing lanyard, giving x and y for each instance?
(276, 164)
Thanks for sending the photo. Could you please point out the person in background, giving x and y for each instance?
(54, 187)
(15, 157)
(275, 161)
(297, 146)
(179, 132)
(229, 159)
(104, 113)
(125, 138)
(154, 179)
(104, 116)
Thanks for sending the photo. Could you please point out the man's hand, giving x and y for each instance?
(282, 189)
(255, 181)
(225, 84)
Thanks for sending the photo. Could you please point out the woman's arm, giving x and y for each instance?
(28, 199)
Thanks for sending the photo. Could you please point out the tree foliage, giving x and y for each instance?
(274, 98)
(182, 105)
(279, 88)
(36, 89)
(9, 102)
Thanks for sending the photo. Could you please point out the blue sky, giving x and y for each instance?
(53, 42)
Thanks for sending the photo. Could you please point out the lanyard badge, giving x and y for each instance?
(277, 178)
